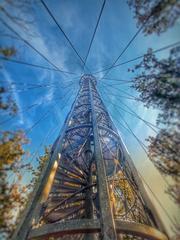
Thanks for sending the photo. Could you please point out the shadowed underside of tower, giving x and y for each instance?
(89, 188)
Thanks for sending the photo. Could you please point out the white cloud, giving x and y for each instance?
(49, 92)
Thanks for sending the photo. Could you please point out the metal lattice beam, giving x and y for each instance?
(93, 226)
(95, 192)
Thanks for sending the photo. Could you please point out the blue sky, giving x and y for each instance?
(78, 19)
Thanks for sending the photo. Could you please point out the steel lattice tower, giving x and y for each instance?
(89, 188)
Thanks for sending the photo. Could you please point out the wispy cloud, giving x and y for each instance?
(49, 91)
(14, 95)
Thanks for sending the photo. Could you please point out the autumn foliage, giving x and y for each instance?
(11, 148)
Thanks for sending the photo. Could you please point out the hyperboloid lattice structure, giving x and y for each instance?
(89, 188)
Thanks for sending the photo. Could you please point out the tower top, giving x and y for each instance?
(87, 77)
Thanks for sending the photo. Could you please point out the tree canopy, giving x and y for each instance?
(158, 83)
(156, 16)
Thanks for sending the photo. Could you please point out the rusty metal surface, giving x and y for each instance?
(124, 229)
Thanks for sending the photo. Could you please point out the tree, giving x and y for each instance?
(156, 15)
(13, 193)
(41, 163)
(11, 148)
(164, 150)
(12, 199)
(159, 86)
(7, 51)
(42, 160)
(6, 102)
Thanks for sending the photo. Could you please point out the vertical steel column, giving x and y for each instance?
(88, 198)
(107, 220)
